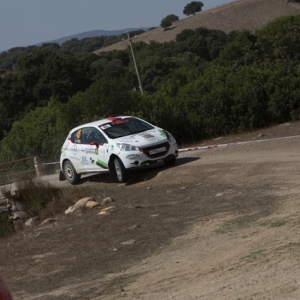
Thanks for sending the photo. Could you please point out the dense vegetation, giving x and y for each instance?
(204, 84)
(9, 59)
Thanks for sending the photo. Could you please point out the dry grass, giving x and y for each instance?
(69, 196)
(237, 15)
(34, 193)
(40, 198)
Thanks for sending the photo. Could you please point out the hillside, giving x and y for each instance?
(237, 15)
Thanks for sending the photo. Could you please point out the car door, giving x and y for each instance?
(95, 152)
(79, 149)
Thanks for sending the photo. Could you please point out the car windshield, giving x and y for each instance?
(123, 127)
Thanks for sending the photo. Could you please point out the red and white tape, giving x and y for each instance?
(231, 144)
(215, 146)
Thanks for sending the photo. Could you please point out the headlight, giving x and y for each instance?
(127, 147)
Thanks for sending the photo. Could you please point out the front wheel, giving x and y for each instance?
(70, 173)
(120, 171)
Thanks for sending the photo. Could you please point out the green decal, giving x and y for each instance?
(101, 164)
(162, 133)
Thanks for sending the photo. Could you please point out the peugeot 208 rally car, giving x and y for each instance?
(115, 145)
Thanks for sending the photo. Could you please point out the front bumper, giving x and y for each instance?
(147, 163)
(148, 156)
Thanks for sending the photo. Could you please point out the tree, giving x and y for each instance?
(165, 24)
(172, 18)
(168, 20)
(184, 35)
(193, 7)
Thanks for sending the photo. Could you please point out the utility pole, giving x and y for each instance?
(136, 68)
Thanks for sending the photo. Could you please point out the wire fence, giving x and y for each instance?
(25, 168)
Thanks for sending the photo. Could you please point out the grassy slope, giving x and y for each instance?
(237, 15)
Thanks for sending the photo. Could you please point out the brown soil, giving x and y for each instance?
(222, 223)
(237, 15)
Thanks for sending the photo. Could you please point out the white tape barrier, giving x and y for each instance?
(237, 143)
(214, 146)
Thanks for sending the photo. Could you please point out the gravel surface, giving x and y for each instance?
(222, 223)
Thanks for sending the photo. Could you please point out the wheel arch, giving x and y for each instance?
(69, 172)
(63, 161)
(111, 167)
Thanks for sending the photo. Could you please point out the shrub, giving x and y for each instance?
(184, 35)
(36, 194)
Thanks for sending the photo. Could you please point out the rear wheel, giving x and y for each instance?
(120, 171)
(70, 173)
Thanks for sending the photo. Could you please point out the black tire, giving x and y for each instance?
(170, 162)
(120, 172)
(70, 173)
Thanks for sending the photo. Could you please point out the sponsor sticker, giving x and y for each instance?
(162, 133)
(90, 150)
(84, 160)
(158, 150)
(126, 140)
(78, 134)
(101, 164)
(120, 121)
(74, 149)
(105, 126)
(148, 137)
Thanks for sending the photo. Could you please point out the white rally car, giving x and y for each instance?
(115, 145)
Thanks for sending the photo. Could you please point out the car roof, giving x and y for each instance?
(100, 122)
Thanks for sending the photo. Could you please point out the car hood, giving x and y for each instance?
(145, 138)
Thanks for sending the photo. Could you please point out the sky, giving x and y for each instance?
(29, 22)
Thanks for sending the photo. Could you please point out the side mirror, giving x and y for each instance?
(95, 144)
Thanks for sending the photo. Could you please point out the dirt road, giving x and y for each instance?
(223, 223)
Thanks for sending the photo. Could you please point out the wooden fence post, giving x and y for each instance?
(38, 166)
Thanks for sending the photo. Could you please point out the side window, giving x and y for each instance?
(101, 138)
(92, 134)
(88, 135)
(76, 136)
